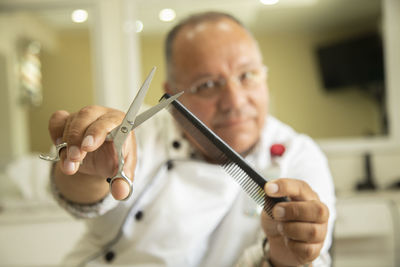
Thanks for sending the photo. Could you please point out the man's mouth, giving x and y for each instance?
(231, 122)
(235, 118)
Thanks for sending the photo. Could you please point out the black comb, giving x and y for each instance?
(220, 152)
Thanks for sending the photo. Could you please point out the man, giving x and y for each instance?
(185, 211)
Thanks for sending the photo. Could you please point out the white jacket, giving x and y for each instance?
(187, 212)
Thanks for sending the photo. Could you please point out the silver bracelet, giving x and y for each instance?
(265, 248)
(80, 210)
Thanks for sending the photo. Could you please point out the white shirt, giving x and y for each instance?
(187, 212)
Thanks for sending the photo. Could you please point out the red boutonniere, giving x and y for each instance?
(277, 150)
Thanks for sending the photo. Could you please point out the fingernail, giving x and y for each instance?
(58, 141)
(69, 166)
(279, 227)
(272, 188)
(88, 141)
(279, 212)
(74, 152)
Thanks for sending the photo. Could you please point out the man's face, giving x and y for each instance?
(219, 66)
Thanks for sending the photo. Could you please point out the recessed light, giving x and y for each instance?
(167, 14)
(269, 2)
(139, 26)
(79, 15)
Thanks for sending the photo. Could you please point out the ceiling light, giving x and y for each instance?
(167, 14)
(269, 2)
(139, 26)
(79, 15)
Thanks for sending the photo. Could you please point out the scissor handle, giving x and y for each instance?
(56, 156)
(121, 175)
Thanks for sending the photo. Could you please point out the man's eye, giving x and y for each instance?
(205, 86)
(247, 75)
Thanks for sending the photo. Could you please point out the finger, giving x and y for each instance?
(269, 225)
(304, 252)
(304, 211)
(130, 156)
(68, 167)
(56, 125)
(72, 153)
(120, 189)
(292, 188)
(97, 131)
(76, 129)
(304, 232)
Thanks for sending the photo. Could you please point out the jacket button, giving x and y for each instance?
(170, 164)
(176, 144)
(139, 215)
(109, 256)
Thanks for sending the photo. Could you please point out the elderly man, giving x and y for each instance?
(185, 211)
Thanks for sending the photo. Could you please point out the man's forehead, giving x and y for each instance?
(206, 27)
(206, 43)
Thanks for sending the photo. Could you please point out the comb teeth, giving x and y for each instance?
(249, 186)
(231, 162)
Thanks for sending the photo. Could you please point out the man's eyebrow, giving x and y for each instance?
(202, 76)
(248, 64)
(241, 66)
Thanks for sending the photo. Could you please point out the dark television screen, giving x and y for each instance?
(352, 62)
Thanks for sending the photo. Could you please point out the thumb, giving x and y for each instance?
(120, 189)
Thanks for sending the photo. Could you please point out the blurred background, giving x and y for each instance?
(333, 74)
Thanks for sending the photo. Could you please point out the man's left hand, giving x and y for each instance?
(297, 232)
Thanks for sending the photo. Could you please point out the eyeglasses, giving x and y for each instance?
(211, 87)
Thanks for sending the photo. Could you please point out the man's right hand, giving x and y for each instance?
(89, 159)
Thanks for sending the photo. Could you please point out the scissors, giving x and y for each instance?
(119, 134)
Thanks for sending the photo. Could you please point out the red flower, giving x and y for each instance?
(277, 150)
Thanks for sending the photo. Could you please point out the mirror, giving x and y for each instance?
(53, 58)
(67, 73)
(294, 37)
(46, 64)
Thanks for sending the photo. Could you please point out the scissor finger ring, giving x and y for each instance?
(56, 157)
(122, 175)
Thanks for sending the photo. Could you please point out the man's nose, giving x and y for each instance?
(232, 96)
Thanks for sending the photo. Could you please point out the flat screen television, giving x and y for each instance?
(356, 62)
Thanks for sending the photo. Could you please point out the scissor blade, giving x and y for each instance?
(153, 110)
(137, 102)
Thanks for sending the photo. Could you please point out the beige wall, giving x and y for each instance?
(152, 54)
(297, 96)
(67, 84)
(299, 99)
